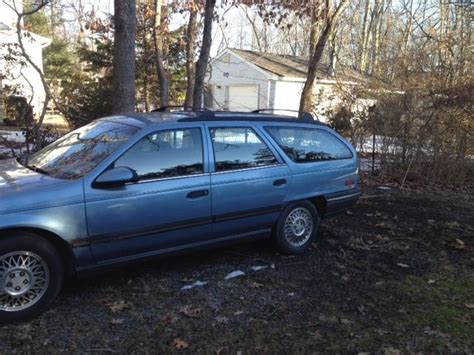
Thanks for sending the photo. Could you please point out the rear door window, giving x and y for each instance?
(239, 148)
(304, 145)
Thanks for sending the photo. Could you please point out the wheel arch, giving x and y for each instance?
(320, 203)
(63, 247)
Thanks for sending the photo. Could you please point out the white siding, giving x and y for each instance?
(287, 96)
(23, 78)
(230, 70)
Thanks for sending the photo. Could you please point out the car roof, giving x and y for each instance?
(156, 117)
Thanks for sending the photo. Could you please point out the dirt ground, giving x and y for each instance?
(393, 275)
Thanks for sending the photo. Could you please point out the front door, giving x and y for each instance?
(249, 181)
(168, 208)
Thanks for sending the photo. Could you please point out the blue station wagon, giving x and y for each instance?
(127, 188)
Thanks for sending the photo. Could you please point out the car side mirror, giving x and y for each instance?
(115, 177)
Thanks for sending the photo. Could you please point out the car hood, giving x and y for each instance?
(15, 177)
(23, 189)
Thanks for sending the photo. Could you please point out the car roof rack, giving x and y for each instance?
(184, 108)
(193, 114)
(306, 116)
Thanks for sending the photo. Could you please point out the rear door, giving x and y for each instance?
(249, 180)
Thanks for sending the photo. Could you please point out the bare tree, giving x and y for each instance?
(161, 51)
(191, 37)
(124, 56)
(329, 18)
(21, 35)
(201, 65)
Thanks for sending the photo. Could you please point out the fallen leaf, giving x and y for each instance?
(117, 321)
(186, 280)
(118, 306)
(256, 285)
(469, 305)
(331, 319)
(313, 246)
(460, 242)
(345, 321)
(238, 313)
(191, 312)
(391, 351)
(180, 344)
(453, 224)
(431, 281)
(222, 319)
(169, 319)
(403, 265)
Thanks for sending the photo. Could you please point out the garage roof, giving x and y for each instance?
(292, 66)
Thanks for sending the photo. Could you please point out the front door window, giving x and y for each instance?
(166, 154)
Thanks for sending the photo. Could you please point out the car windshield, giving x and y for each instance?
(80, 151)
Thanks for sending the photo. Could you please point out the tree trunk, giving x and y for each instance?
(330, 21)
(365, 38)
(124, 56)
(190, 47)
(203, 60)
(160, 54)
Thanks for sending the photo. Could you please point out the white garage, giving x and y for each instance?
(242, 80)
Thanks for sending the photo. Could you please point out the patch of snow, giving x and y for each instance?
(196, 284)
(234, 274)
(258, 268)
(13, 136)
(366, 164)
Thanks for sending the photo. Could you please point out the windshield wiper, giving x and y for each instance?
(36, 169)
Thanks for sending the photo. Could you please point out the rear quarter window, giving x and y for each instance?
(305, 145)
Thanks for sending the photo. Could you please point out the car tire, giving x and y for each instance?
(297, 228)
(31, 276)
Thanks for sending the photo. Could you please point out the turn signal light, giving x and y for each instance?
(350, 183)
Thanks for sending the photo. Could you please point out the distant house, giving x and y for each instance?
(18, 77)
(242, 80)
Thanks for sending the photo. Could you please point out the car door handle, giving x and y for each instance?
(197, 194)
(279, 182)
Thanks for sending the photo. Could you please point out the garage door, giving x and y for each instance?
(243, 97)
